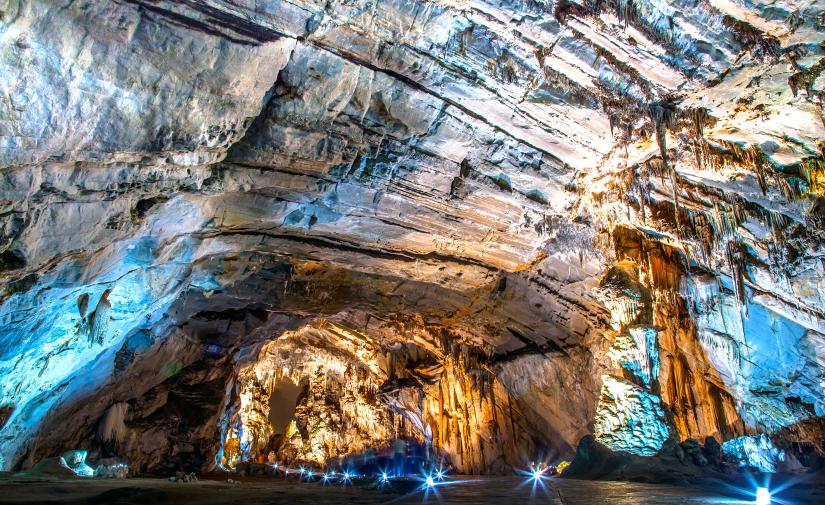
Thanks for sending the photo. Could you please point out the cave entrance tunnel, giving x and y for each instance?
(282, 403)
(280, 423)
(328, 396)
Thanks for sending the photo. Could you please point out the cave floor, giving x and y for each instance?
(469, 490)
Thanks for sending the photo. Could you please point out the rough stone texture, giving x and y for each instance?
(629, 418)
(536, 182)
(338, 411)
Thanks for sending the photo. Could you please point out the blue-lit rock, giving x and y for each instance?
(637, 352)
(630, 418)
(76, 462)
(756, 451)
(769, 359)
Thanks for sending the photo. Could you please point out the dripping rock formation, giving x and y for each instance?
(304, 230)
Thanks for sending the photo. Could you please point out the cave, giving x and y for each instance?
(487, 251)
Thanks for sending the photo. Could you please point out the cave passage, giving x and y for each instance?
(282, 403)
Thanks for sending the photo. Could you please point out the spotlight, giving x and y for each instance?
(384, 477)
(430, 482)
(536, 472)
(325, 477)
(346, 476)
(763, 496)
(439, 474)
(302, 470)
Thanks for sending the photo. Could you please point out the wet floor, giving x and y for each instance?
(488, 490)
(572, 492)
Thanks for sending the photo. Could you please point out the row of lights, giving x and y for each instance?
(430, 480)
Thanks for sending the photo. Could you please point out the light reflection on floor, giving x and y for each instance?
(452, 490)
(475, 490)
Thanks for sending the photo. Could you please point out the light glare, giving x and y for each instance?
(537, 471)
(763, 496)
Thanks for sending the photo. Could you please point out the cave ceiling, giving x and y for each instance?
(560, 188)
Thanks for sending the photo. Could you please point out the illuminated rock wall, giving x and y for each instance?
(585, 214)
(364, 391)
(471, 419)
(337, 414)
(630, 418)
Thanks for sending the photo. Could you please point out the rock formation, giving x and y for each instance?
(492, 226)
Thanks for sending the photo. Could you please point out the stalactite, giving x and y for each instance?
(663, 117)
(735, 257)
(759, 43)
(805, 78)
(813, 168)
(442, 425)
(722, 153)
(98, 320)
(566, 8)
(699, 118)
(626, 11)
